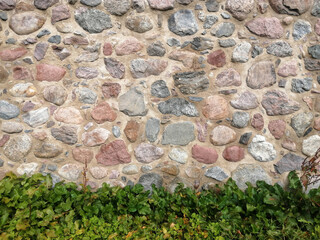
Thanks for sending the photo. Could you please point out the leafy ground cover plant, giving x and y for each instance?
(32, 209)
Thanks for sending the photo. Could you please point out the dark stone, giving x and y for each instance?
(178, 107)
(43, 32)
(289, 162)
(314, 51)
(93, 20)
(201, 43)
(156, 49)
(191, 82)
(149, 179)
(159, 89)
(312, 64)
(280, 49)
(301, 85)
(55, 39)
(212, 5)
(244, 139)
(183, 23)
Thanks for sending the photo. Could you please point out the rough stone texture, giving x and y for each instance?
(132, 103)
(117, 7)
(215, 107)
(261, 75)
(25, 23)
(70, 171)
(178, 155)
(180, 133)
(280, 49)
(17, 148)
(95, 137)
(204, 154)
(65, 134)
(289, 162)
(12, 54)
(128, 46)
(277, 128)
(115, 68)
(50, 73)
(47, 150)
(113, 153)
(294, 7)
(132, 130)
(183, 23)
(245, 101)
(149, 179)
(261, 150)
(8, 110)
(159, 89)
(257, 121)
(178, 107)
(240, 119)
(310, 145)
(103, 112)
(93, 20)
(288, 69)
(139, 24)
(301, 85)
(239, 8)
(241, 52)
(147, 153)
(152, 129)
(233, 153)
(301, 122)
(36, 117)
(60, 13)
(225, 29)
(191, 82)
(141, 68)
(69, 115)
(55, 94)
(266, 27)
(300, 29)
(228, 77)
(222, 135)
(217, 58)
(7, 4)
(216, 173)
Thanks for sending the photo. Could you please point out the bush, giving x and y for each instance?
(31, 209)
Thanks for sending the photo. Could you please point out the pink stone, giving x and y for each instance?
(316, 124)
(187, 58)
(257, 121)
(222, 135)
(269, 27)
(217, 58)
(69, 115)
(233, 153)
(288, 69)
(103, 112)
(290, 145)
(228, 77)
(277, 128)
(98, 172)
(132, 130)
(113, 153)
(5, 138)
(128, 46)
(147, 153)
(60, 13)
(21, 73)
(111, 90)
(50, 73)
(309, 102)
(215, 108)
(40, 135)
(107, 49)
(75, 40)
(317, 27)
(12, 54)
(161, 4)
(95, 137)
(82, 155)
(28, 106)
(202, 128)
(239, 9)
(204, 154)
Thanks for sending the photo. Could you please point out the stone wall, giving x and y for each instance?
(159, 91)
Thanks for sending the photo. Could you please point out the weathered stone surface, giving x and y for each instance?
(193, 172)
(139, 23)
(244, 138)
(113, 153)
(65, 134)
(222, 135)
(21, 73)
(111, 90)
(178, 155)
(60, 13)
(288, 69)
(70, 171)
(217, 58)
(180, 133)
(183, 23)
(68, 115)
(7, 4)
(209, 21)
(202, 129)
(55, 94)
(25, 23)
(132, 103)
(103, 112)
(314, 51)
(40, 50)
(130, 169)
(23, 90)
(240, 119)
(292, 7)
(312, 64)
(18, 147)
(261, 74)
(261, 150)
(93, 20)
(225, 29)
(152, 129)
(201, 43)
(301, 28)
(241, 52)
(289, 162)
(245, 101)
(301, 85)
(257, 121)
(50, 73)
(288, 144)
(27, 168)
(95, 137)
(117, 7)
(188, 59)
(82, 155)
(317, 27)
(249, 173)
(98, 172)
(36, 117)
(228, 77)
(233, 153)
(43, 5)
(310, 145)
(204, 154)
(8, 110)
(147, 153)
(86, 95)
(61, 52)
(47, 150)
(276, 102)
(148, 179)
(132, 130)
(277, 128)
(216, 173)
(91, 3)
(239, 9)
(215, 107)
(161, 4)
(11, 127)
(86, 72)
(12, 54)
(128, 46)
(178, 107)
(159, 89)
(141, 68)
(226, 43)
(191, 82)
(156, 49)
(171, 170)
(115, 68)
(280, 49)
(269, 27)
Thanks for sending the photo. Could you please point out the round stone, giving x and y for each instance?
(204, 154)
(222, 135)
(178, 155)
(215, 108)
(82, 155)
(183, 23)
(17, 147)
(25, 23)
(95, 137)
(261, 150)
(233, 153)
(147, 153)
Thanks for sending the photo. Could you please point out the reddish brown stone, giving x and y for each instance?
(40, 135)
(202, 128)
(132, 130)
(75, 40)
(128, 46)
(317, 27)
(269, 27)
(257, 121)
(60, 13)
(82, 155)
(103, 112)
(288, 69)
(217, 58)
(5, 138)
(290, 145)
(316, 124)
(12, 54)
(204, 154)
(50, 73)
(277, 128)
(233, 153)
(228, 77)
(215, 108)
(21, 73)
(113, 153)
(107, 49)
(111, 90)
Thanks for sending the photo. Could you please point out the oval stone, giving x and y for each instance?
(26, 22)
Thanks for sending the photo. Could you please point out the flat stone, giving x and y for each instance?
(115, 68)
(159, 89)
(17, 147)
(113, 153)
(289, 162)
(178, 107)
(141, 68)
(183, 23)
(40, 50)
(117, 7)
(86, 72)
(128, 46)
(257, 121)
(93, 20)
(249, 173)
(184, 2)
(181, 133)
(82, 155)
(222, 135)
(44, 5)
(310, 145)
(201, 44)
(11, 127)
(225, 29)
(261, 74)
(147, 153)
(276, 102)
(233, 153)
(149, 179)
(226, 43)
(245, 101)
(132, 130)
(86, 95)
(75, 40)
(261, 150)
(277, 128)
(204, 154)
(170, 169)
(301, 85)
(98, 172)
(314, 51)
(240, 119)
(288, 69)
(27, 168)
(227, 78)
(209, 21)
(70, 171)
(107, 49)
(241, 52)
(47, 150)
(239, 9)
(130, 169)
(290, 145)
(37, 117)
(50, 73)
(7, 4)
(178, 155)
(110, 90)
(12, 53)
(103, 112)
(25, 23)
(55, 94)
(312, 64)
(138, 23)
(8, 110)
(152, 129)
(301, 28)
(61, 52)
(216, 173)
(244, 138)
(215, 108)
(87, 56)
(69, 115)
(156, 49)
(91, 3)
(132, 103)
(161, 5)
(191, 82)
(116, 131)
(269, 27)
(187, 58)
(65, 134)
(60, 13)
(292, 7)
(23, 90)
(280, 49)
(212, 5)
(217, 58)
(95, 137)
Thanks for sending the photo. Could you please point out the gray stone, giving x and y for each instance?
(8, 110)
(55, 39)
(130, 169)
(148, 179)
(173, 42)
(40, 50)
(7, 4)
(191, 82)
(159, 89)
(301, 85)
(241, 52)
(310, 145)
(138, 5)
(61, 52)
(90, 3)
(93, 20)
(43, 5)
(55, 94)
(201, 44)
(87, 56)
(116, 131)
(261, 150)
(225, 29)
(146, 168)
(11, 127)
(178, 107)
(152, 129)
(27, 168)
(37, 117)
(244, 138)
(115, 68)
(314, 51)
(52, 167)
(86, 95)
(178, 155)
(66, 134)
(1, 163)
(300, 29)
(70, 171)
(301, 122)
(47, 150)
(225, 43)
(180, 133)
(240, 119)
(216, 173)
(256, 51)
(43, 32)
(17, 147)
(316, 9)
(184, 2)
(141, 68)
(86, 72)
(225, 15)
(249, 173)
(209, 21)
(117, 7)
(312, 64)
(156, 49)
(132, 103)
(212, 5)
(280, 49)
(147, 153)
(289, 162)
(183, 23)
(139, 23)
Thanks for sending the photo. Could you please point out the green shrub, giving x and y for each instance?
(31, 209)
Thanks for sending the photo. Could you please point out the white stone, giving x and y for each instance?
(310, 145)
(261, 150)
(178, 155)
(27, 168)
(70, 171)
